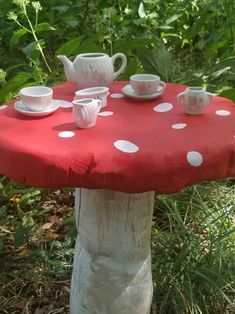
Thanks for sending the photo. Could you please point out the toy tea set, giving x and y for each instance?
(93, 73)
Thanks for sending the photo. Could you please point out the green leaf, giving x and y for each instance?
(71, 47)
(29, 48)
(228, 62)
(4, 221)
(130, 69)
(20, 234)
(169, 35)
(166, 27)
(191, 78)
(91, 47)
(39, 252)
(1, 245)
(44, 27)
(173, 18)
(3, 210)
(122, 45)
(141, 11)
(29, 197)
(16, 66)
(21, 190)
(230, 94)
(197, 26)
(17, 35)
(20, 212)
(61, 8)
(13, 85)
(69, 219)
(73, 23)
(158, 61)
(221, 72)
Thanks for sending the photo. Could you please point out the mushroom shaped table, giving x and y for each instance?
(135, 149)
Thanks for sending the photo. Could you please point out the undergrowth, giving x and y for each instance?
(193, 251)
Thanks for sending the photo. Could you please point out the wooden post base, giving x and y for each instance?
(112, 261)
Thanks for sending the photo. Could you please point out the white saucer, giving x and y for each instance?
(21, 108)
(128, 91)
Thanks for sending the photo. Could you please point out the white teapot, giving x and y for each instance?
(92, 69)
(85, 112)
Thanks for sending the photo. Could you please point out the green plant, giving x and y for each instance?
(186, 42)
(30, 28)
(193, 251)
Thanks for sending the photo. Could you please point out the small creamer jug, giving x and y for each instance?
(85, 112)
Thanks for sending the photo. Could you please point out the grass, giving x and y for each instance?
(193, 250)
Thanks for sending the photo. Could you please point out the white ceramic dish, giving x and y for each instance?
(100, 92)
(21, 108)
(128, 91)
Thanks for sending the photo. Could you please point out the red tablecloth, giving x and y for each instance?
(139, 146)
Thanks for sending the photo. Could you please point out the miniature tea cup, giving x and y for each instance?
(195, 99)
(146, 84)
(99, 92)
(85, 112)
(36, 98)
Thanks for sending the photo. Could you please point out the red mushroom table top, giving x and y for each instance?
(135, 146)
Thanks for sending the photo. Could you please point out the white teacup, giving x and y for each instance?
(146, 84)
(195, 99)
(85, 112)
(36, 98)
(99, 92)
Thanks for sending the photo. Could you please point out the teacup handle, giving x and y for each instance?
(210, 97)
(162, 84)
(180, 97)
(124, 62)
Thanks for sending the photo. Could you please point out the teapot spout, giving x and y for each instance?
(68, 68)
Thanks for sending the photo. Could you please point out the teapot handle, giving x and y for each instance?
(124, 62)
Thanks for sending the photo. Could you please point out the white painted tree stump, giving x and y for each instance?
(112, 261)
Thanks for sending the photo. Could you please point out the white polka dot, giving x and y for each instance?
(3, 107)
(126, 146)
(105, 113)
(116, 95)
(178, 126)
(223, 112)
(194, 158)
(66, 134)
(164, 107)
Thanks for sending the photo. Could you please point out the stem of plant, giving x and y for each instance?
(36, 39)
(35, 65)
(25, 28)
(110, 35)
(36, 20)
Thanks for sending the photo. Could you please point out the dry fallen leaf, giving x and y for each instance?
(47, 226)
(20, 305)
(51, 235)
(16, 198)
